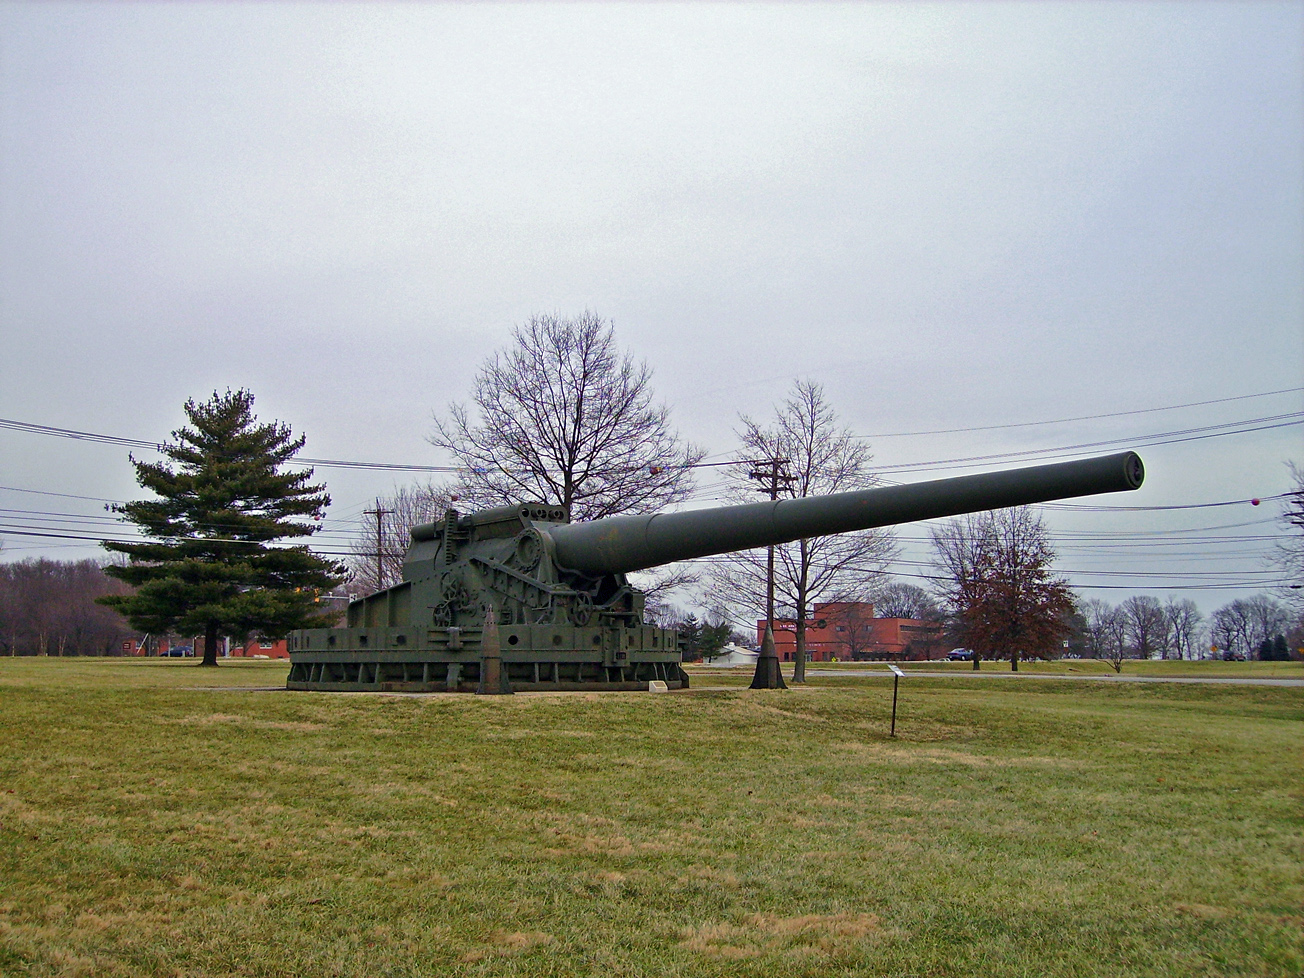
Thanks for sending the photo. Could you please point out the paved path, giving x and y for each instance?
(1095, 677)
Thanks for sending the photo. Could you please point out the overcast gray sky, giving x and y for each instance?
(952, 215)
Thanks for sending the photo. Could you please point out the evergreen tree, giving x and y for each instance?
(1274, 650)
(690, 636)
(222, 500)
(713, 638)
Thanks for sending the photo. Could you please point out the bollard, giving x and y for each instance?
(493, 677)
(767, 675)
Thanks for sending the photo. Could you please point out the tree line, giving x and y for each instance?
(1142, 627)
(48, 607)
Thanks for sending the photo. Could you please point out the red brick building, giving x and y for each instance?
(848, 630)
(272, 648)
(195, 647)
(144, 645)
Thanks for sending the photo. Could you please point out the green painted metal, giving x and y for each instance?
(566, 617)
(630, 543)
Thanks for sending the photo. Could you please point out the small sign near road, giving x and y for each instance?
(896, 678)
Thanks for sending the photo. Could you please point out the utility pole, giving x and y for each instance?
(380, 512)
(771, 481)
(769, 472)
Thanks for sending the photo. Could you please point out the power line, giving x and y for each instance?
(41, 429)
(340, 526)
(65, 495)
(1158, 438)
(1138, 441)
(27, 523)
(1092, 508)
(103, 439)
(32, 428)
(1085, 417)
(1207, 585)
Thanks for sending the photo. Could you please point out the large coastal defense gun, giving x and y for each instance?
(519, 592)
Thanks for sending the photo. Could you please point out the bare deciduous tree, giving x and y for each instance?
(997, 580)
(1184, 631)
(48, 607)
(1117, 638)
(1227, 632)
(853, 627)
(1106, 632)
(823, 458)
(1095, 614)
(959, 552)
(659, 584)
(376, 554)
(1289, 557)
(1141, 626)
(900, 600)
(1267, 619)
(1147, 625)
(563, 417)
(1239, 628)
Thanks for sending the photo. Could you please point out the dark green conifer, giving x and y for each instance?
(222, 501)
(713, 638)
(690, 637)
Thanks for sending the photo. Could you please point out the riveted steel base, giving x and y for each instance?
(354, 673)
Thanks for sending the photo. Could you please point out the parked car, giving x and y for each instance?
(180, 651)
(959, 655)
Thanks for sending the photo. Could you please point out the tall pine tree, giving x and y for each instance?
(222, 500)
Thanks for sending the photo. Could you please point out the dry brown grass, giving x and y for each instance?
(810, 936)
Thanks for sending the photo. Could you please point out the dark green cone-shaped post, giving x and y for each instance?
(493, 677)
(767, 674)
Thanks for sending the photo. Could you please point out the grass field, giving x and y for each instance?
(161, 819)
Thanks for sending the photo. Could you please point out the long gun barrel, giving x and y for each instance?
(621, 544)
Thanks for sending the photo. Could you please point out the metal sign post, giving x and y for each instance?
(896, 678)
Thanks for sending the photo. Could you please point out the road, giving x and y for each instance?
(1111, 678)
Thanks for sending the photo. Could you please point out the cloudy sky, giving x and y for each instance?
(955, 216)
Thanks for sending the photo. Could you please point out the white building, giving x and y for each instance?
(733, 655)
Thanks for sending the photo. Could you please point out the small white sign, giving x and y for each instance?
(657, 686)
(895, 670)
